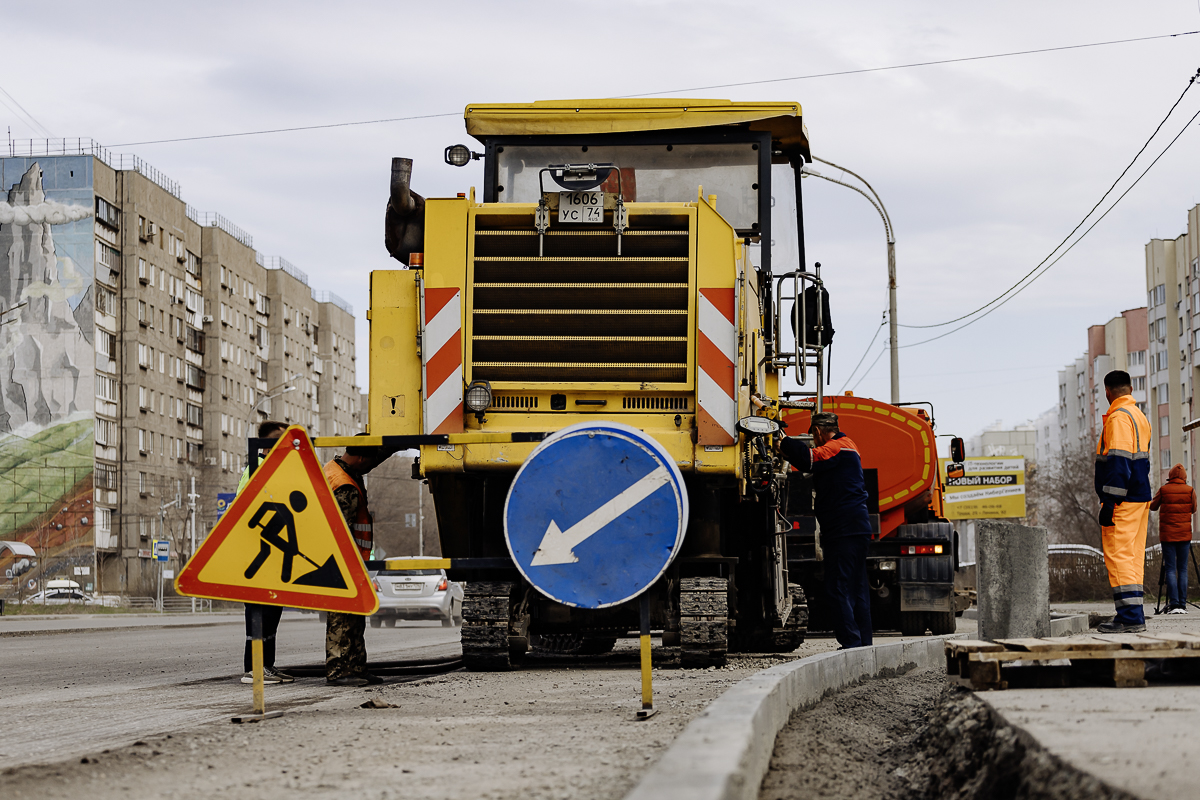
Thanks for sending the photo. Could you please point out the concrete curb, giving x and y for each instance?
(1069, 625)
(724, 752)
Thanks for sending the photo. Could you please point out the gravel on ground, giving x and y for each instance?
(539, 733)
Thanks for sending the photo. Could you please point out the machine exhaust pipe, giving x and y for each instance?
(404, 220)
(402, 201)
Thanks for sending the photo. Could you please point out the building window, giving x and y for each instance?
(143, 398)
(108, 257)
(108, 214)
(106, 388)
(195, 377)
(195, 340)
(1165, 456)
(1164, 425)
(142, 313)
(104, 430)
(106, 301)
(193, 264)
(194, 452)
(195, 415)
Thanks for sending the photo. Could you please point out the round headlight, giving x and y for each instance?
(479, 396)
(458, 155)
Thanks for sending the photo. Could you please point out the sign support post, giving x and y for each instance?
(256, 656)
(648, 709)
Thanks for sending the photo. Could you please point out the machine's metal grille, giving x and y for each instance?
(512, 401)
(656, 403)
(579, 311)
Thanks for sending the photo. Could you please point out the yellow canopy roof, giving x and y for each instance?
(558, 117)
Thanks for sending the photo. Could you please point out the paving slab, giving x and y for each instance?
(1139, 740)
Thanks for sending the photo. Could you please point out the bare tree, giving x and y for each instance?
(1061, 495)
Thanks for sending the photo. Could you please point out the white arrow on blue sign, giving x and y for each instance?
(596, 514)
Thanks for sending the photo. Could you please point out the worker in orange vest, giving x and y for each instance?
(345, 645)
(1123, 485)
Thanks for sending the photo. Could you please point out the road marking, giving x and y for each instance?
(558, 546)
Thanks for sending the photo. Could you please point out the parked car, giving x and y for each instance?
(416, 594)
(59, 593)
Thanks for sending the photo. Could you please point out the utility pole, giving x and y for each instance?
(192, 527)
(893, 324)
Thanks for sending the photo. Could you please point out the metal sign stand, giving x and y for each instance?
(256, 638)
(648, 709)
(256, 660)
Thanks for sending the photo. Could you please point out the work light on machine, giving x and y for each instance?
(459, 155)
(757, 426)
(478, 397)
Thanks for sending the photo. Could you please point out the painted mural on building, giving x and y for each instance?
(48, 246)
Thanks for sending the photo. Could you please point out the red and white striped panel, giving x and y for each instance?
(442, 352)
(716, 386)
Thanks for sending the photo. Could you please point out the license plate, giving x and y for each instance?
(581, 206)
(407, 587)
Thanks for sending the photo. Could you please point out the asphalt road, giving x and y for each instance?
(66, 692)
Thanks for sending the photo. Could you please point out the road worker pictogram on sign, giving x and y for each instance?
(283, 541)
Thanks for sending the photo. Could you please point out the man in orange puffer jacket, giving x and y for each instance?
(1175, 502)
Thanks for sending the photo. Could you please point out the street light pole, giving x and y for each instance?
(874, 199)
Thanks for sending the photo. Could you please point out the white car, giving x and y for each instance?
(64, 592)
(416, 594)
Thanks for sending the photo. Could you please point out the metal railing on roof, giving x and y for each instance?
(330, 297)
(210, 219)
(278, 262)
(34, 148)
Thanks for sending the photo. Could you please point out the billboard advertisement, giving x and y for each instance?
(990, 488)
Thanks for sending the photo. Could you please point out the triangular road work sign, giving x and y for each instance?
(282, 541)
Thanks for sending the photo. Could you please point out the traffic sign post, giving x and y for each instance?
(593, 519)
(281, 542)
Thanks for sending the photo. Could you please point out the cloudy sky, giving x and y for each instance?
(984, 166)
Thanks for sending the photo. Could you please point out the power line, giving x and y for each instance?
(863, 377)
(1066, 238)
(919, 64)
(286, 130)
(672, 91)
(1069, 249)
(30, 117)
(870, 344)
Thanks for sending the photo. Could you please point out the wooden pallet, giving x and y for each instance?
(982, 665)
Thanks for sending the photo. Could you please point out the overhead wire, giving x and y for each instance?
(812, 76)
(1066, 238)
(1069, 249)
(29, 117)
(918, 64)
(866, 352)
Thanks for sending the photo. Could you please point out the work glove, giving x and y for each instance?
(1106, 515)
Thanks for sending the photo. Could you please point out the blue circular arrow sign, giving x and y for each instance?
(596, 514)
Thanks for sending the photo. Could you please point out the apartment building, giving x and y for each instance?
(1121, 343)
(1173, 291)
(142, 341)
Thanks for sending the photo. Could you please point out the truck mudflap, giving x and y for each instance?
(927, 597)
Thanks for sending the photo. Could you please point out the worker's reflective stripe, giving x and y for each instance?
(365, 544)
(1121, 453)
(1139, 456)
(1116, 490)
(358, 526)
(1134, 600)
(1133, 587)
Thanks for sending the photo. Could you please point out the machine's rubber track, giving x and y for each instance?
(574, 644)
(487, 607)
(791, 635)
(703, 622)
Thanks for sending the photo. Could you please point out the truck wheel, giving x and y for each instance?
(912, 623)
(376, 622)
(703, 622)
(941, 622)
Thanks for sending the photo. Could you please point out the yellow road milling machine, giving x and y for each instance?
(615, 272)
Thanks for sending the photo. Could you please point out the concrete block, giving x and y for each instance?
(1014, 580)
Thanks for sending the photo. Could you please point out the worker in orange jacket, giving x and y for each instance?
(1123, 484)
